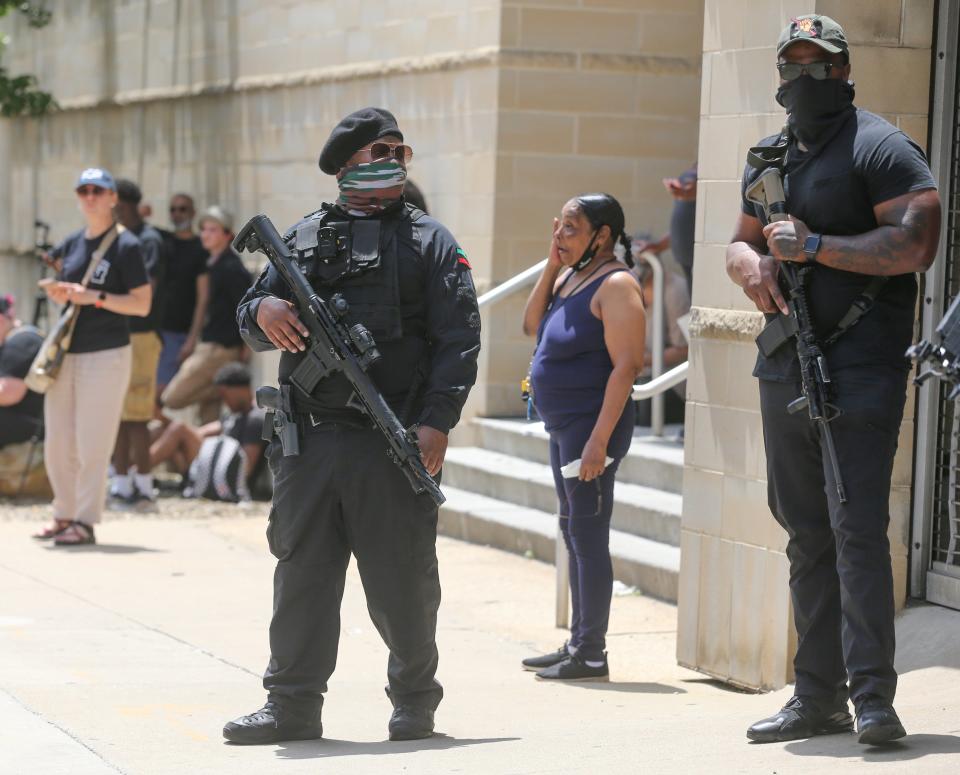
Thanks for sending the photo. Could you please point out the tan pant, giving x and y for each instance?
(193, 383)
(81, 413)
(139, 404)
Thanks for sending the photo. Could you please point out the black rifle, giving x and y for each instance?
(333, 347)
(767, 192)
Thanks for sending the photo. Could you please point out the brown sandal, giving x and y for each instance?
(76, 534)
(52, 531)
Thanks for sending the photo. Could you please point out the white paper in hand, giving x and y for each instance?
(572, 469)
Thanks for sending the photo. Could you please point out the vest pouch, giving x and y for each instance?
(374, 299)
(323, 249)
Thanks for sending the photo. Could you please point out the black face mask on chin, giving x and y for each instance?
(816, 108)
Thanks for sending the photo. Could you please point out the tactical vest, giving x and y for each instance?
(359, 259)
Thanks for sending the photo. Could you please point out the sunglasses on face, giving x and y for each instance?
(399, 151)
(93, 190)
(819, 71)
(179, 208)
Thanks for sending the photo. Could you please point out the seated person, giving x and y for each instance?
(21, 410)
(179, 443)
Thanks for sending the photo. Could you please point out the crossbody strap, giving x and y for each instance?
(100, 252)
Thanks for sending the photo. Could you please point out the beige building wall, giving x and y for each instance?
(232, 100)
(735, 617)
(512, 107)
(595, 95)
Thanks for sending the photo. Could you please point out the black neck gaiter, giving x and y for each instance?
(816, 109)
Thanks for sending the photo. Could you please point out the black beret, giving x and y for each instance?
(352, 133)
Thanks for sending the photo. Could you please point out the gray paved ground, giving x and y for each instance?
(128, 657)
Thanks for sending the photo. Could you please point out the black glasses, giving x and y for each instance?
(399, 151)
(94, 190)
(819, 71)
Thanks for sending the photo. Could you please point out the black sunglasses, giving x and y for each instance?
(179, 208)
(819, 71)
(95, 190)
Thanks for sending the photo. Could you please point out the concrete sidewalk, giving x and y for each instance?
(129, 656)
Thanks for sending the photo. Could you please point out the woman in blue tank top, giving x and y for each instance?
(587, 312)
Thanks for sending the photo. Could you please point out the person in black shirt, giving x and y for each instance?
(180, 443)
(220, 341)
(82, 407)
(129, 486)
(406, 279)
(185, 291)
(21, 410)
(862, 205)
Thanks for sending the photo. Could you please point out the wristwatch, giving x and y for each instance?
(811, 246)
(101, 297)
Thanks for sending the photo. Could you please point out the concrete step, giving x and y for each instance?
(651, 461)
(650, 566)
(638, 510)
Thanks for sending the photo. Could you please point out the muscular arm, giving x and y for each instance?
(753, 271)
(904, 241)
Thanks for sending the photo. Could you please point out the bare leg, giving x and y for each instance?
(177, 439)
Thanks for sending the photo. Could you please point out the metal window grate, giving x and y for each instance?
(946, 488)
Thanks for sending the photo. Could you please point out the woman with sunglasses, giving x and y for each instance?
(82, 407)
(587, 312)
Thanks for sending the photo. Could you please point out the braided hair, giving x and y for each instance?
(605, 210)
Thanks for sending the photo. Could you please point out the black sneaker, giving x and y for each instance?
(575, 668)
(547, 660)
(800, 718)
(877, 721)
(410, 722)
(273, 724)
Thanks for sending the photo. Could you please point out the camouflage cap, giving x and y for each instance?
(820, 30)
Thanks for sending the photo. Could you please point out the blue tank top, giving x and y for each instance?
(571, 364)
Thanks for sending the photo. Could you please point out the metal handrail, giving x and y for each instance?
(653, 389)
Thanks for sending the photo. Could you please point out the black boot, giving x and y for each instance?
(410, 722)
(801, 717)
(272, 724)
(547, 660)
(877, 721)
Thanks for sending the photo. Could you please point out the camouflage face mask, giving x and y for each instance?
(368, 188)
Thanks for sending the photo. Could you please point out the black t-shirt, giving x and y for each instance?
(154, 251)
(119, 271)
(16, 354)
(229, 281)
(869, 161)
(186, 261)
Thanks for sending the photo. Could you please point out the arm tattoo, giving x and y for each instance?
(897, 247)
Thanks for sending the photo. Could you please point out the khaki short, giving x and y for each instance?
(193, 383)
(138, 406)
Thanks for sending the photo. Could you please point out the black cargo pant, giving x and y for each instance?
(342, 494)
(841, 581)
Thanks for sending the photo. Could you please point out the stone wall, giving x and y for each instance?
(735, 617)
(595, 95)
(512, 107)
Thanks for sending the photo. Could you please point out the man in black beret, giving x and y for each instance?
(408, 281)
